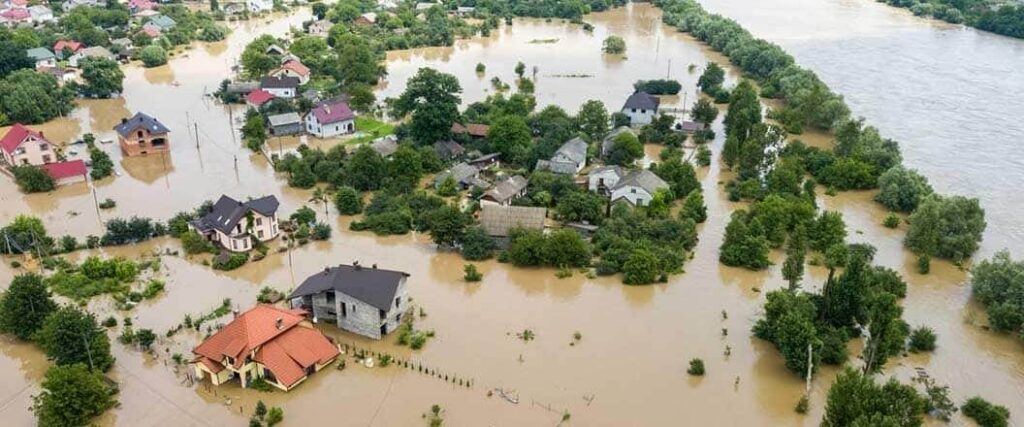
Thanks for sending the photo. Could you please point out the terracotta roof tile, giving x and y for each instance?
(66, 169)
(17, 135)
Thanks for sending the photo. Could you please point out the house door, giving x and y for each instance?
(383, 329)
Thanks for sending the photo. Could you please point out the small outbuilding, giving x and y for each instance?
(505, 191)
(285, 124)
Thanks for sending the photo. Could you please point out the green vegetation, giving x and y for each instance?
(72, 395)
(613, 45)
(696, 367)
(856, 400)
(946, 227)
(563, 248)
(986, 414)
(153, 56)
(658, 87)
(922, 340)
(471, 273)
(227, 262)
(989, 15)
(24, 306)
(411, 337)
(26, 234)
(432, 99)
(102, 167)
(33, 98)
(997, 284)
(645, 248)
(70, 336)
(92, 277)
(32, 179)
(902, 189)
(103, 77)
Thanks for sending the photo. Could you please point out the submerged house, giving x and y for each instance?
(234, 224)
(292, 68)
(465, 176)
(499, 221)
(636, 187)
(385, 146)
(285, 124)
(641, 107)
(274, 344)
(570, 158)
(24, 146)
(368, 301)
(280, 86)
(142, 134)
(505, 191)
(448, 149)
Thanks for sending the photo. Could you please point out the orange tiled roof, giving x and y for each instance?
(296, 66)
(285, 350)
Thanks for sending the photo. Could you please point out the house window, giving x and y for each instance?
(259, 221)
(344, 310)
(632, 190)
(44, 146)
(397, 300)
(259, 234)
(46, 159)
(634, 110)
(382, 314)
(330, 298)
(234, 244)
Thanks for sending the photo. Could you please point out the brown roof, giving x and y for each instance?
(284, 346)
(473, 129)
(499, 220)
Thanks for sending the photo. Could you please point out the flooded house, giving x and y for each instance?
(142, 134)
(473, 130)
(68, 172)
(292, 68)
(636, 187)
(234, 224)
(274, 344)
(320, 28)
(641, 107)
(65, 48)
(484, 161)
(280, 86)
(24, 146)
(330, 118)
(385, 146)
(505, 191)
(365, 300)
(257, 98)
(570, 158)
(499, 221)
(257, 6)
(464, 175)
(285, 124)
(98, 52)
(448, 149)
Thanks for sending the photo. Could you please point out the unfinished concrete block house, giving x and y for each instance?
(365, 300)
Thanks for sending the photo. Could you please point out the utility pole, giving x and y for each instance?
(96, 202)
(196, 127)
(668, 74)
(231, 124)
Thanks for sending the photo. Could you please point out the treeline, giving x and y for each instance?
(949, 227)
(998, 17)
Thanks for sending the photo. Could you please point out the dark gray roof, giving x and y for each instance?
(448, 149)
(374, 286)
(642, 101)
(484, 158)
(227, 212)
(279, 82)
(140, 120)
(563, 168)
(385, 145)
(461, 172)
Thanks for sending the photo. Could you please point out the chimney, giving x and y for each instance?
(357, 266)
(279, 323)
(234, 314)
(374, 266)
(124, 120)
(327, 270)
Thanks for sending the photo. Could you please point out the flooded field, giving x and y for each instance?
(628, 368)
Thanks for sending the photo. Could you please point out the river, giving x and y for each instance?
(628, 368)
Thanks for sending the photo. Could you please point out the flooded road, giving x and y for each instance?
(628, 368)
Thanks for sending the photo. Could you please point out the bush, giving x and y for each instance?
(901, 189)
(947, 227)
(922, 339)
(227, 262)
(997, 284)
(110, 322)
(471, 273)
(321, 231)
(194, 243)
(476, 244)
(72, 396)
(696, 367)
(108, 204)
(348, 201)
(32, 179)
(658, 87)
(985, 413)
(153, 56)
(891, 221)
(924, 264)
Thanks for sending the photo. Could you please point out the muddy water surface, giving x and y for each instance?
(628, 368)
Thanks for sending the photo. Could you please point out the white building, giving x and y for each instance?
(280, 86)
(637, 187)
(641, 107)
(330, 119)
(24, 146)
(233, 224)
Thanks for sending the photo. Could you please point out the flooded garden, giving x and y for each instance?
(605, 353)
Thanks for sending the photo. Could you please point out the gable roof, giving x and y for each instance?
(374, 286)
(448, 149)
(461, 173)
(642, 178)
(228, 212)
(140, 120)
(332, 112)
(473, 129)
(498, 220)
(15, 14)
(163, 21)
(95, 52)
(574, 150)
(564, 168)
(60, 45)
(507, 189)
(66, 169)
(17, 135)
(152, 31)
(642, 101)
(279, 82)
(274, 49)
(295, 66)
(258, 97)
(286, 350)
(39, 53)
(284, 119)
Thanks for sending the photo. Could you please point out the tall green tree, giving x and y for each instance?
(366, 169)
(856, 400)
(711, 79)
(744, 112)
(902, 189)
(593, 119)
(31, 97)
(704, 111)
(70, 336)
(432, 98)
(510, 136)
(72, 396)
(103, 77)
(694, 207)
(24, 306)
(948, 227)
(796, 253)
(743, 245)
(12, 58)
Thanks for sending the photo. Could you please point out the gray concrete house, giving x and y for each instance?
(285, 124)
(637, 187)
(570, 158)
(364, 300)
(641, 107)
(465, 176)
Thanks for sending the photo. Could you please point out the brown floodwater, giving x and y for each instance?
(628, 368)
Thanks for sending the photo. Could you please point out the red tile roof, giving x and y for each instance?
(16, 14)
(66, 169)
(151, 31)
(286, 350)
(296, 66)
(141, 4)
(16, 136)
(334, 112)
(70, 44)
(258, 97)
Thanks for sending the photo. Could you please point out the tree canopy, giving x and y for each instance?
(432, 98)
